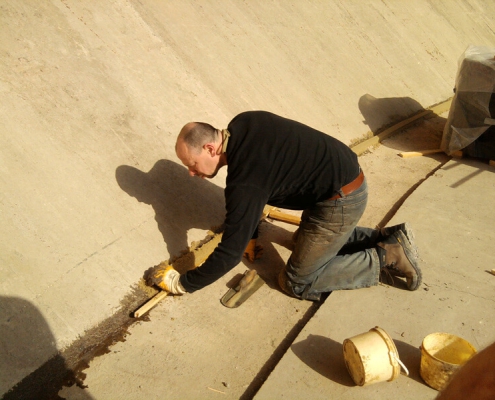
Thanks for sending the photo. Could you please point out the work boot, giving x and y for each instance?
(397, 258)
(406, 229)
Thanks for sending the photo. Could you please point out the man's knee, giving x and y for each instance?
(294, 289)
(286, 284)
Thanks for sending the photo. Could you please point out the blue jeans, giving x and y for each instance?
(331, 252)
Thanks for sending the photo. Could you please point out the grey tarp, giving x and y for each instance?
(473, 105)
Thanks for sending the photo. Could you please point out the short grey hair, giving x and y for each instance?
(200, 134)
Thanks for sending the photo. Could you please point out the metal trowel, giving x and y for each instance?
(247, 285)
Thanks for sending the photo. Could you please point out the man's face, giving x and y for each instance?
(204, 163)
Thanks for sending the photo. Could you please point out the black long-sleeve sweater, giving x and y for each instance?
(276, 161)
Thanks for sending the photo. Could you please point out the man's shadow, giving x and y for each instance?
(180, 202)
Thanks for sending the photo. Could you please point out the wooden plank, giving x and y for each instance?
(150, 304)
(409, 154)
(284, 217)
(442, 107)
(267, 211)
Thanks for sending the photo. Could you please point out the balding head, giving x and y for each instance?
(196, 134)
(199, 146)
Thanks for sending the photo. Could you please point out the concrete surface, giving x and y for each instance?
(93, 95)
(183, 353)
(453, 225)
(234, 350)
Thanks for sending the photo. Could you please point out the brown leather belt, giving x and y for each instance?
(350, 187)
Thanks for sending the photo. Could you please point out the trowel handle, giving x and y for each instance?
(248, 277)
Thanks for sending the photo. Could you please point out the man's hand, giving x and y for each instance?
(165, 277)
(253, 251)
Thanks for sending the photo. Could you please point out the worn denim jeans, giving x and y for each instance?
(331, 252)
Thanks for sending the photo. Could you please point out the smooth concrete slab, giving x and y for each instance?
(453, 221)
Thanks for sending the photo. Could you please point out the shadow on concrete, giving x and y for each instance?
(379, 113)
(26, 344)
(425, 133)
(480, 165)
(271, 263)
(180, 202)
(325, 357)
(411, 358)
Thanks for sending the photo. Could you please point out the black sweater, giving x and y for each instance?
(276, 161)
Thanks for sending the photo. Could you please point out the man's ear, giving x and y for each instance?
(210, 149)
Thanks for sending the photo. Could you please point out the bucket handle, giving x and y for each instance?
(394, 355)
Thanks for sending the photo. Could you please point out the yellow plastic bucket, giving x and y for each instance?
(442, 354)
(372, 357)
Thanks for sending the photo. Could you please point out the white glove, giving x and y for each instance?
(171, 281)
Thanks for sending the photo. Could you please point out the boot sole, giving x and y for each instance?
(409, 252)
(408, 232)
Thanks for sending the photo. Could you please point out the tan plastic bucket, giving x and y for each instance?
(442, 354)
(372, 357)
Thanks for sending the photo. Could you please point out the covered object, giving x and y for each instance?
(471, 122)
